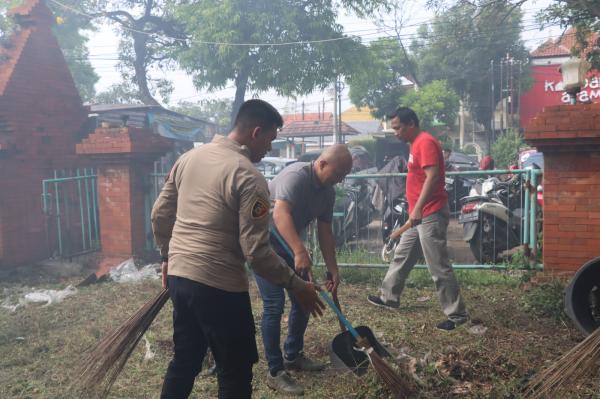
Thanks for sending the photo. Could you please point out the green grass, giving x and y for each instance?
(40, 346)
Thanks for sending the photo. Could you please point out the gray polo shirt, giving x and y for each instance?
(298, 185)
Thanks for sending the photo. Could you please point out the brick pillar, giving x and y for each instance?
(569, 137)
(124, 157)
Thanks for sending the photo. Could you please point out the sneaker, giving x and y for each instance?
(284, 383)
(449, 325)
(302, 363)
(377, 301)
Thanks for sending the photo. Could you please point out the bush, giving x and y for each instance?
(505, 150)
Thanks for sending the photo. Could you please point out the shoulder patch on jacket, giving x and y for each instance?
(260, 208)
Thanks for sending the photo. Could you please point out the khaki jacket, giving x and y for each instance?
(212, 216)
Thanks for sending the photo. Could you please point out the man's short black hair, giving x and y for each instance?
(406, 116)
(255, 113)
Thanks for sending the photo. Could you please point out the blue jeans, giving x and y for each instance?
(273, 304)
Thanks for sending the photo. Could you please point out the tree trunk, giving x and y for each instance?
(139, 64)
(241, 83)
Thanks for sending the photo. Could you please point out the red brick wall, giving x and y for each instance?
(42, 106)
(125, 157)
(571, 209)
(569, 136)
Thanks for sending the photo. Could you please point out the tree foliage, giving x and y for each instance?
(380, 83)
(295, 69)
(149, 33)
(217, 111)
(436, 104)
(584, 16)
(505, 150)
(459, 45)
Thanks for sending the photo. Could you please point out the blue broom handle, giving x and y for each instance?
(324, 295)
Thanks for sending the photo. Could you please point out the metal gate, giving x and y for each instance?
(70, 205)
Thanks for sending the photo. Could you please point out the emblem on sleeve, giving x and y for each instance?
(260, 208)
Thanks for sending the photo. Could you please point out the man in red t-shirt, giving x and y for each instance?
(429, 216)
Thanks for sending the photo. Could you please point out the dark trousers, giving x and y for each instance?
(206, 317)
(273, 304)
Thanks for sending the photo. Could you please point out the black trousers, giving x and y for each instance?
(206, 317)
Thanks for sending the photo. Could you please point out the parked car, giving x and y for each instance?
(270, 166)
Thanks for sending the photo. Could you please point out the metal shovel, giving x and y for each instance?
(344, 351)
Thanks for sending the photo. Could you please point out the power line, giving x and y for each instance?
(300, 42)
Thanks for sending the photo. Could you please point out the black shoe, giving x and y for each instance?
(449, 325)
(446, 325)
(377, 301)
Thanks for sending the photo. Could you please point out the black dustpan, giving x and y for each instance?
(344, 353)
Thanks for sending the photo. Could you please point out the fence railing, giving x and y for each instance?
(497, 230)
(362, 219)
(70, 205)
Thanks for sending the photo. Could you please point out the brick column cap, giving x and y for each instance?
(110, 142)
(566, 128)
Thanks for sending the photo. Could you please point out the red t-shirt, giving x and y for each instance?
(425, 151)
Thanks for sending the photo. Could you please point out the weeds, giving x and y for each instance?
(546, 300)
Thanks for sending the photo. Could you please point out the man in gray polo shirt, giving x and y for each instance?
(301, 193)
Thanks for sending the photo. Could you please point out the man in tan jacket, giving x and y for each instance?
(212, 217)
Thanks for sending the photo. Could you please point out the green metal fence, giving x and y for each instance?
(70, 206)
(363, 248)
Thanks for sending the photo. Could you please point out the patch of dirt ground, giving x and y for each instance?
(491, 357)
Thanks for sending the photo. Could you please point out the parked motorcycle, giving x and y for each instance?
(457, 187)
(354, 201)
(491, 218)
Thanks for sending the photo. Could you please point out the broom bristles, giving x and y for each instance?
(568, 371)
(390, 377)
(101, 366)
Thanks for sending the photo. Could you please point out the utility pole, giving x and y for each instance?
(502, 96)
(493, 106)
(340, 88)
(336, 130)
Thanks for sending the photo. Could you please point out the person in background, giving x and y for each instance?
(429, 216)
(486, 163)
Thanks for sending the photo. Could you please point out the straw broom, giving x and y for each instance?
(564, 374)
(101, 366)
(388, 375)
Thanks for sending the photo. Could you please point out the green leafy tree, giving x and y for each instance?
(120, 93)
(149, 32)
(436, 104)
(294, 69)
(459, 45)
(380, 83)
(505, 150)
(217, 111)
(584, 16)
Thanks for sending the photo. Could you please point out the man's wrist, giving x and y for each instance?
(164, 258)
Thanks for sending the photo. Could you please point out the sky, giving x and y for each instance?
(103, 47)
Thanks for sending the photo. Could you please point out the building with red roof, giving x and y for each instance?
(547, 79)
